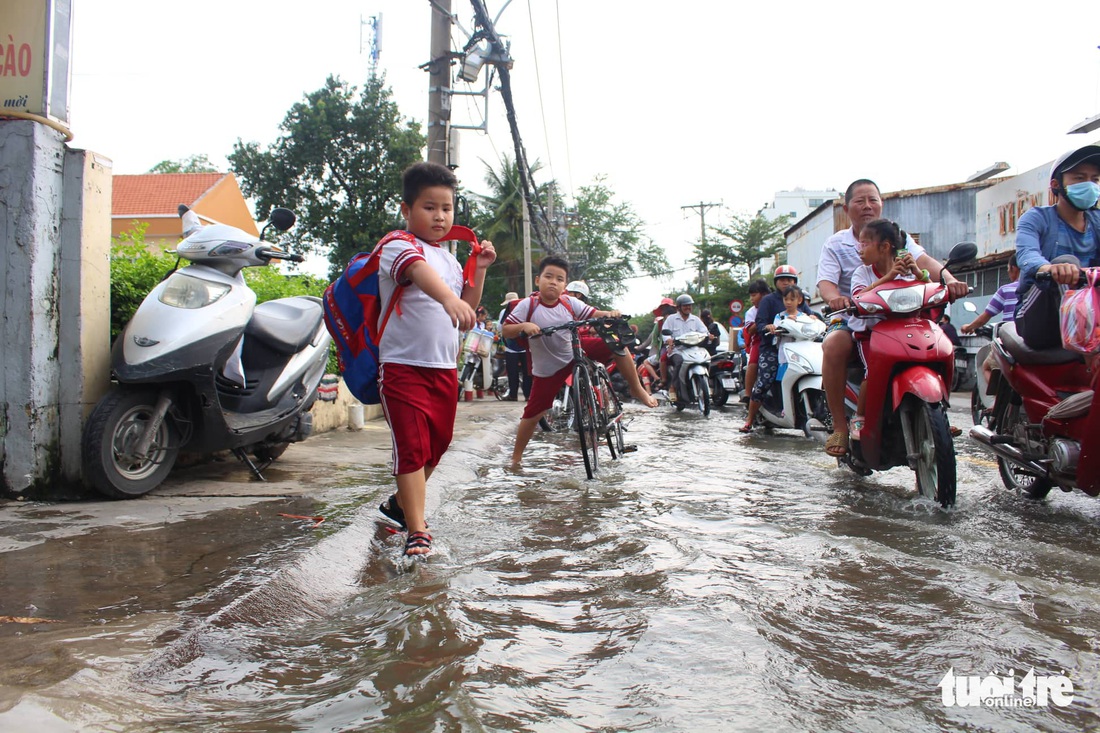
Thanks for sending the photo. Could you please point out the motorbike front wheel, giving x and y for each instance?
(702, 393)
(111, 436)
(935, 469)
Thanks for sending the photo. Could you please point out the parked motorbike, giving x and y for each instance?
(907, 391)
(1043, 430)
(476, 346)
(726, 376)
(692, 386)
(201, 367)
(797, 400)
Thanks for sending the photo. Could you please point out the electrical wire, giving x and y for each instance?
(564, 115)
(538, 85)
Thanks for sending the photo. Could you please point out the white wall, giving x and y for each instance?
(999, 207)
(804, 247)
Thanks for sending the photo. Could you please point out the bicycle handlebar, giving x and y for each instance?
(575, 325)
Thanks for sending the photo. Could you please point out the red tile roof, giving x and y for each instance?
(159, 193)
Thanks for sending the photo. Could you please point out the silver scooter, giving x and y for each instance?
(800, 403)
(201, 367)
(693, 384)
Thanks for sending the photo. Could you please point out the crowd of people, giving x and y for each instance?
(418, 351)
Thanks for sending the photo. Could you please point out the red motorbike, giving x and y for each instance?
(910, 370)
(1043, 430)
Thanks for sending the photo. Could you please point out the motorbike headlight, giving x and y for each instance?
(938, 296)
(184, 291)
(904, 300)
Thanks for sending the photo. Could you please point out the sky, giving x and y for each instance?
(675, 104)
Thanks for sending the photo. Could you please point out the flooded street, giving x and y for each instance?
(708, 580)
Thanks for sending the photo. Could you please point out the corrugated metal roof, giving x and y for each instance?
(154, 194)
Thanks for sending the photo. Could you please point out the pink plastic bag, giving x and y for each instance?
(1079, 316)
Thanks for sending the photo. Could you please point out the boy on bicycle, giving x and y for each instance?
(551, 357)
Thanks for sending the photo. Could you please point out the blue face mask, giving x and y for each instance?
(1083, 195)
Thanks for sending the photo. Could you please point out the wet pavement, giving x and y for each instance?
(708, 579)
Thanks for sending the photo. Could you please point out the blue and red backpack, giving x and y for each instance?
(353, 311)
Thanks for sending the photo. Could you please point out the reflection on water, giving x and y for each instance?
(708, 579)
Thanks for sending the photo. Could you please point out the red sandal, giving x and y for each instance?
(418, 541)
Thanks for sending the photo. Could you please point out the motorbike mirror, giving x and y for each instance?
(961, 252)
(282, 219)
(968, 306)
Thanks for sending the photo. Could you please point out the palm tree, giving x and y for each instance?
(502, 222)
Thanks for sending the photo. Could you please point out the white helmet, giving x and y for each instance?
(578, 286)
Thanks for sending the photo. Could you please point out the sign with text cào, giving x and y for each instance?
(35, 41)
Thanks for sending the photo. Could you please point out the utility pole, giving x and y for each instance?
(702, 209)
(439, 83)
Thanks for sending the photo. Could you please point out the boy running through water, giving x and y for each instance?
(418, 351)
(551, 357)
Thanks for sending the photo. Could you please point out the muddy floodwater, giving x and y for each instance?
(708, 581)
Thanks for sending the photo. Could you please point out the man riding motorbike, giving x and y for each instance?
(838, 261)
(679, 323)
(1069, 227)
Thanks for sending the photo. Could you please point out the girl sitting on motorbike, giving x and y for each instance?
(885, 259)
(793, 298)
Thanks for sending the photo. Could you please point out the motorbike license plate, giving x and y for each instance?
(728, 383)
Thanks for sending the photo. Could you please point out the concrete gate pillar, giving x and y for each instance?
(46, 348)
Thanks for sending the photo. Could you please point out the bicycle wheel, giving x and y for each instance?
(612, 414)
(586, 419)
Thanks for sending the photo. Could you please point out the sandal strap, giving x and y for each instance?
(418, 540)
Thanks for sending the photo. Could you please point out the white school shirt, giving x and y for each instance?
(419, 332)
(550, 354)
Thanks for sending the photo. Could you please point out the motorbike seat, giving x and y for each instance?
(286, 325)
(1024, 354)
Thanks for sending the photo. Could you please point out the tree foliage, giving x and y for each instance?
(338, 165)
(191, 164)
(498, 216)
(135, 270)
(607, 246)
(746, 241)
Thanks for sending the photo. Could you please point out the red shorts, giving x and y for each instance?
(420, 406)
(543, 391)
(596, 349)
(754, 352)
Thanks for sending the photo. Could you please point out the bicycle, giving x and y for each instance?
(595, 406)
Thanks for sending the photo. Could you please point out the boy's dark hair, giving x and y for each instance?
(759, 286)
(1012, 261)
(419, 176)
(552, 261)
(884, 230)
(850, 191)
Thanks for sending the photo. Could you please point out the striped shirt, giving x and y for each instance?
(1004, 301)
